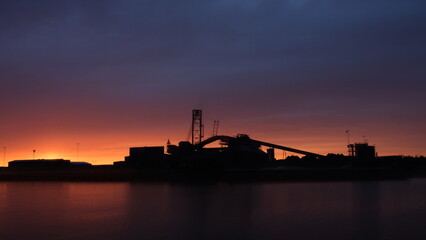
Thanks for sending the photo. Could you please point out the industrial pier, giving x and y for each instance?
(237, 158)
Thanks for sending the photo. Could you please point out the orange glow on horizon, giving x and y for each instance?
(105, 146)
(107, 152)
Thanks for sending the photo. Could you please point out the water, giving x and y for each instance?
(335, 210)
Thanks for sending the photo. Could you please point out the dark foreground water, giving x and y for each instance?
(336, 210)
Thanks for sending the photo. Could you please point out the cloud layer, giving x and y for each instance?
(281, 70)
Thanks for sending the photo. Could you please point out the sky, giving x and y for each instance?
(86, 80)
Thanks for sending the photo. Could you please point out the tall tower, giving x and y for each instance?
(197, 126)
(215, 128)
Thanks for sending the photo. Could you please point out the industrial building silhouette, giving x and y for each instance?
(234, 153)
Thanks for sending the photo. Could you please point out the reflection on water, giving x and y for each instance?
(340, 210)
(61, 210)
(367, 210)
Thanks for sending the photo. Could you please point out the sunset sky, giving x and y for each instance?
(110, 75)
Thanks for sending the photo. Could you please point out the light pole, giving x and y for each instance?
(34, 154)
(4, 156)
(78, 149)
(347, 133)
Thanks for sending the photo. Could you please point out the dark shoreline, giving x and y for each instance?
(122, 174)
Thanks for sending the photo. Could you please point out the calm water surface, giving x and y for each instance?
(336, 210)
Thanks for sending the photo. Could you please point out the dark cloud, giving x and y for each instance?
(241, 58)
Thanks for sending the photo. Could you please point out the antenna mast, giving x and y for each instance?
(215, 128)
(351, 147)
